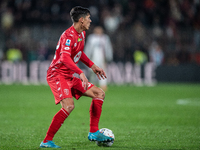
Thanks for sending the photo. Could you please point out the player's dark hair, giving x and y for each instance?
(77, 12)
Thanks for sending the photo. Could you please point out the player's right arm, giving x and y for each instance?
(65, 58)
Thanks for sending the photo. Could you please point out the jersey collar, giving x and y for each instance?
(76, 31)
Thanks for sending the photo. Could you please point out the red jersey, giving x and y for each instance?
(69, 51)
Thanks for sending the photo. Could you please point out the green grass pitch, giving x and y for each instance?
(166, 116)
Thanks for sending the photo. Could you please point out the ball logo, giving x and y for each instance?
(77, 56)
(66, 91)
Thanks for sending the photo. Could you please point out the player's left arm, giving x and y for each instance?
(99, 72)
(86, 60)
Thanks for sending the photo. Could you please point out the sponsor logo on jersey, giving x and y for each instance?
(68, 42)
(80, 39)
(77, 56)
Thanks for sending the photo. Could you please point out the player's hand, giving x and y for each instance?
(99, 72)
(84, 81)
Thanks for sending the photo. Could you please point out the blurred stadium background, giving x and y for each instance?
(30, 30)
(165, 116)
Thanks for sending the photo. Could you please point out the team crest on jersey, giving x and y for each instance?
(66, 91)
(68, 42)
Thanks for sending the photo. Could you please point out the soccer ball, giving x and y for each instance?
(106, 132)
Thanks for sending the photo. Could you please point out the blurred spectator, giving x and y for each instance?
(197, 58)
(14, 55)
(172, 40)
(42, 50)
(156, 53)
(175, 13)
(197, 31)
(183, 56)
(94, 15)
(140, 57)
(157, 30)
(171, 23)
(99, 49)
(1, 55)
(112, 19)
(7, 19)
(139, 32)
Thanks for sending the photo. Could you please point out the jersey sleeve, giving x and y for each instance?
(66, 45)
(86, 60)
(68, 62)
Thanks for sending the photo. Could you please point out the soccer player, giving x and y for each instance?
(65, 86)
(99, 49)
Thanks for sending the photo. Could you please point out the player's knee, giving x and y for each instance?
(67, 104)
(101, 94)
(69, 108)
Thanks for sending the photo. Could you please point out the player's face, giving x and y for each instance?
(86, 22)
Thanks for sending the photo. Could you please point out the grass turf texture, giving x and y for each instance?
(166, 116)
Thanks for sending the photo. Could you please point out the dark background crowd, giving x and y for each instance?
(165, 31)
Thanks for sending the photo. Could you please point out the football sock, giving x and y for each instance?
(95, 113)
(56, 123)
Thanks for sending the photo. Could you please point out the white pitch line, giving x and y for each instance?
(189, 101)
